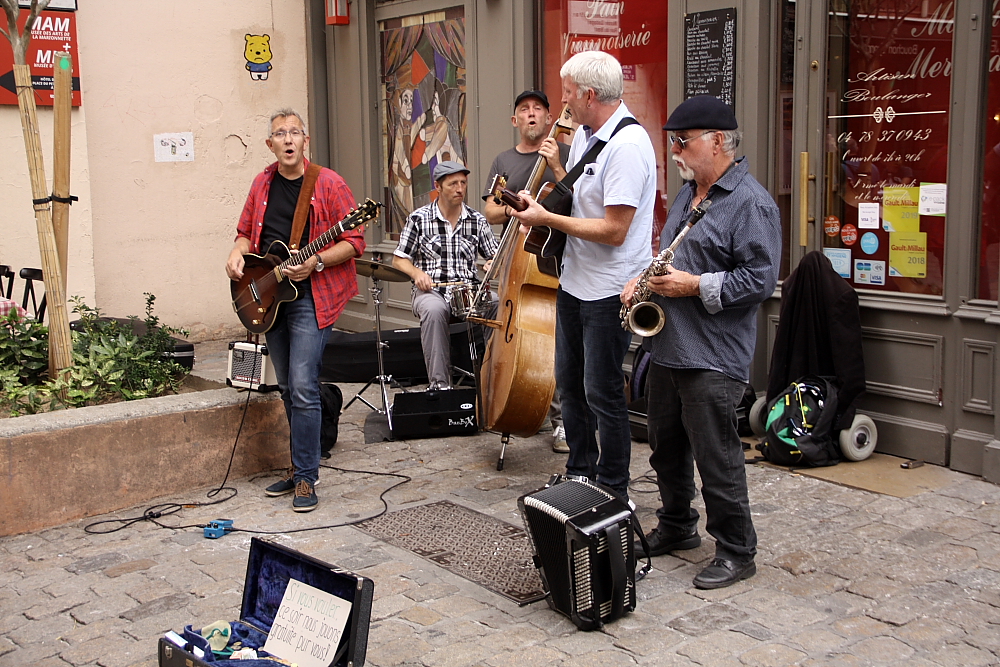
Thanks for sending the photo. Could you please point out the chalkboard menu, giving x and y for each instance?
(710, 55)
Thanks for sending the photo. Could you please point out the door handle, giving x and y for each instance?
(804, 217)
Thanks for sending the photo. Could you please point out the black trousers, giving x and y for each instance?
(691, 416)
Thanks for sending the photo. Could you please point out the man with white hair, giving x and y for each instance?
(608, 242)
(722, 271)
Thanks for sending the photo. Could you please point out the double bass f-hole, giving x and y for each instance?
(507, 335)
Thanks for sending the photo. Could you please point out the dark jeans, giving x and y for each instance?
(692, 418)
(295, 345)
(590, 349)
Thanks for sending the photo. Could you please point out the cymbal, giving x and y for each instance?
(379, 271)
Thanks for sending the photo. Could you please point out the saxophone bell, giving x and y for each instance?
(644, 319)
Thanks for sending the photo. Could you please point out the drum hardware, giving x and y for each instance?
(378, 271)
(459, 297)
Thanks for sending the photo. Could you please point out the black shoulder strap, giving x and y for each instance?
(589, 156)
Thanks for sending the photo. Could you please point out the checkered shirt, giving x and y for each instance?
(444, 254)
(7, 305)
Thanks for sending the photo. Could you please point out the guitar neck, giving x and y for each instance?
(316, 245)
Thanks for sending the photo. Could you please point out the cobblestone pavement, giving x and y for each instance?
(845, 577)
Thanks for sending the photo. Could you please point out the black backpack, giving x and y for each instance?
(800, 425)
(332, 400)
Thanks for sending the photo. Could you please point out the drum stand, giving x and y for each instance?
(383, 380)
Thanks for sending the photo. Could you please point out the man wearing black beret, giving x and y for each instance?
(722, 271)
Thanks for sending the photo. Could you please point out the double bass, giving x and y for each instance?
(517, 376)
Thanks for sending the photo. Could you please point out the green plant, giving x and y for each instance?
(24, 347)
(111, 362)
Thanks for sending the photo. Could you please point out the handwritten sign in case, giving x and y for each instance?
(710, 55)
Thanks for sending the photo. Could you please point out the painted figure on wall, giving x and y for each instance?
(258, 55)
(423, 74)
(405, 131)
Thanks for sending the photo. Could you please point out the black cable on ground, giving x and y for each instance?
(385, 506)
(641, 483)
(155, 512)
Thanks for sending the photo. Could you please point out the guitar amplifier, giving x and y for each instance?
(250, 368)
(582, 537)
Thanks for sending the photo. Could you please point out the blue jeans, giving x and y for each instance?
(691, 417)
(590, 349)
(295, 345)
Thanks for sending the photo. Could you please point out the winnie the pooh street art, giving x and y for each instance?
(258, 55)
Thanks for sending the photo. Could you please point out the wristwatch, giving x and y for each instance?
(319, 263)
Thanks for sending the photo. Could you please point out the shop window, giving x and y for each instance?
(638, 39)
(424, 113)
(989, 239)
(889, 82)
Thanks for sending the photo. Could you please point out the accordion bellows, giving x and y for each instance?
(582, 537)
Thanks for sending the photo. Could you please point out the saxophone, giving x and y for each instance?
(645, 317)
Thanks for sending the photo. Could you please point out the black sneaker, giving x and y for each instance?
(282, 486)
(305, 497)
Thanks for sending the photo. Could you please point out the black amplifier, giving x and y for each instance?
(582, 536)
(431, 414)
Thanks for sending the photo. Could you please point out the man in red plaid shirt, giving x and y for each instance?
(325, 280)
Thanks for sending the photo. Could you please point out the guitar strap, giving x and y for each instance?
(302, 205)
(590, 155)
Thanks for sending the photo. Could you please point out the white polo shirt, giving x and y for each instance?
(624, 173)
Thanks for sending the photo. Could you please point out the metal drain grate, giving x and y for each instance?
(477, 547)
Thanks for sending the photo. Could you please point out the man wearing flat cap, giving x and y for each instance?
(722, 271)
(438, 245)
(533, 119)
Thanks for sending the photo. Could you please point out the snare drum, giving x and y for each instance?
(460, 298)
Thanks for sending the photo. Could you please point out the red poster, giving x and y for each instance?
(52, 32)
(888, 121)
(634, 32)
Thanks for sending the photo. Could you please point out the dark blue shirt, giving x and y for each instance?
(736, 249)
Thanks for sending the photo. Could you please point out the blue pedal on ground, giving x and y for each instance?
(216, 529)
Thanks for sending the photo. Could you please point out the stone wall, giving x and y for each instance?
(62, 466)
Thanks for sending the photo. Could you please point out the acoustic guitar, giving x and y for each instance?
(258, 295)
(545, 242)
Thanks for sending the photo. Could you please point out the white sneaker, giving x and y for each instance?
(559, 440)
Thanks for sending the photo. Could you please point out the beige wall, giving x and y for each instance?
(161, 227)
(18, 232)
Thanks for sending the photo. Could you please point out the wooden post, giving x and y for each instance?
(60, 341)
(62, 108)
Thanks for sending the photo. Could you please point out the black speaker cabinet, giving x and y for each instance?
(431, 414)
(351, 357)
(582, 535)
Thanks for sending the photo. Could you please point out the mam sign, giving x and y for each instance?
(52, 32)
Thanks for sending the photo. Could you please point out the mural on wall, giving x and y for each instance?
(258, 55)
(423, 79)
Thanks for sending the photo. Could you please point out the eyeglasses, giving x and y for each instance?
(684, 142)
(280, 134)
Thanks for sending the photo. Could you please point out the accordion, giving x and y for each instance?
(582, 537)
